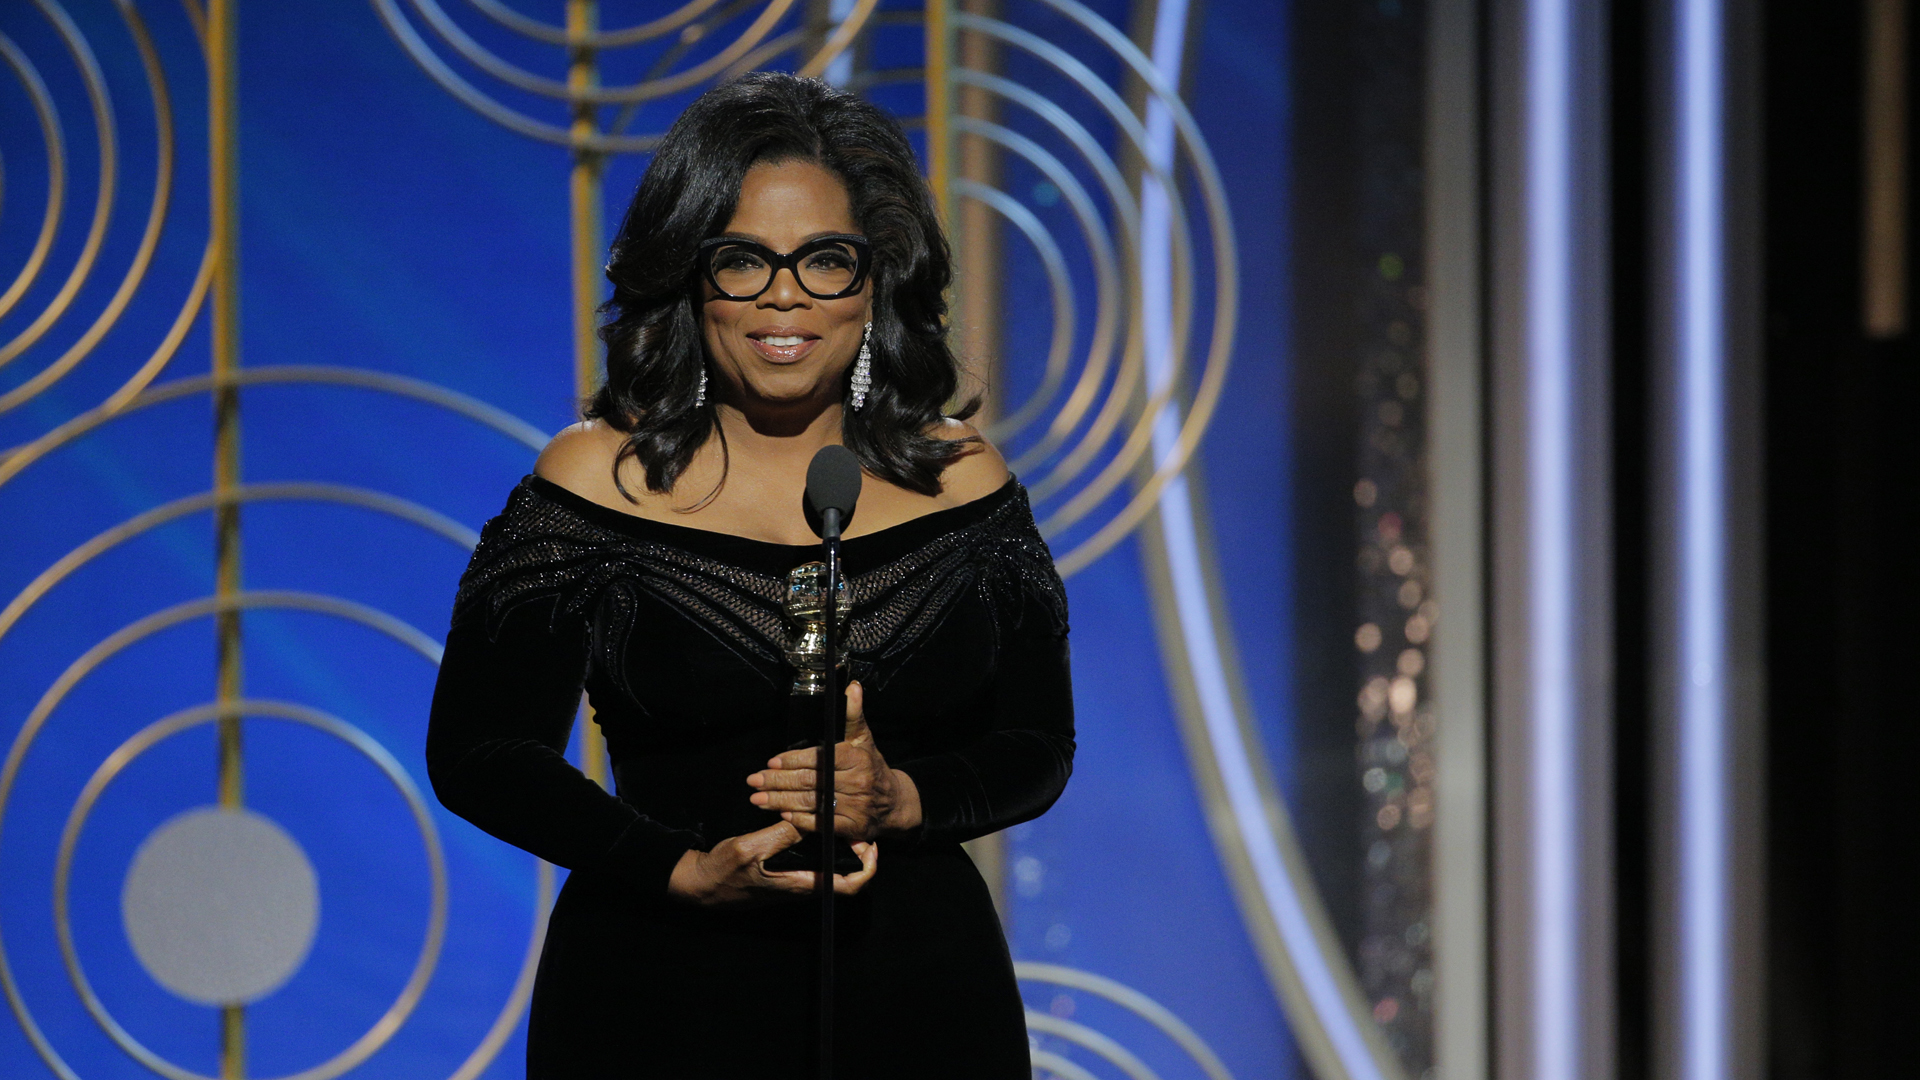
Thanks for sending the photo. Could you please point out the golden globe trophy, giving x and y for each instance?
(807, 609)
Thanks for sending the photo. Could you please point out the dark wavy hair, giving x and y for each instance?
(655, 350)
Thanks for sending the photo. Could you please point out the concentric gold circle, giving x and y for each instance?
(106, 133)
(695, 21)
(1127, 998)
(1103, 434)
(389, 1022)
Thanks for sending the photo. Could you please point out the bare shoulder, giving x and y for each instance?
(581, 458)
(978, 472)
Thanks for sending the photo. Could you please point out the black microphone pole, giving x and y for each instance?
(833, 487)
(831, 730)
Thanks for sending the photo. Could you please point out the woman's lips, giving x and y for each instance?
(783, 354)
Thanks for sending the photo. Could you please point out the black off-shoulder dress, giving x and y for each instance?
(959, 636)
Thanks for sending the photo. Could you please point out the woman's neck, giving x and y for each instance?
(778, 435)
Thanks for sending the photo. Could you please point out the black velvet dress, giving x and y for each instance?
(959, 637)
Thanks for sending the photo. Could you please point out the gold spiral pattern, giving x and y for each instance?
(1049, 1063)
(36, 275)
(214, 502)
(1085, 436)
(1086, 431)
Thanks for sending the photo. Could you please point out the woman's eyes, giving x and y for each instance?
(737, 260)
(830, 260)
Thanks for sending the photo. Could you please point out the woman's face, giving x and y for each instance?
(784, 347)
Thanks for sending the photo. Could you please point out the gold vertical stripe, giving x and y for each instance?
(223, 184)
(1884, 209)
(233, 1042)
(940, 105)
(223, 171)
(589, 249)
(589, 240)
(978, 270)
(976, 227)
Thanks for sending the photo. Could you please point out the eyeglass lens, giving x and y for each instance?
(743, 270)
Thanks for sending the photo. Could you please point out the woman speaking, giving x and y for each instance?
(777, 287)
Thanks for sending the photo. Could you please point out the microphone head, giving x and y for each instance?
(833, 483)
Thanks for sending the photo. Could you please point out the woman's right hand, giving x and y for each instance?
(732, 873)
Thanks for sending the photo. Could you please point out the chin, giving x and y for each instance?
(775, 389)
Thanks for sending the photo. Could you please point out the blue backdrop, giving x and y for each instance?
(386, 226)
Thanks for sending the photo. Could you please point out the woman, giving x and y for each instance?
(777, 287)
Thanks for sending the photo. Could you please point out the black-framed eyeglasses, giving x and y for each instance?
(827, 268)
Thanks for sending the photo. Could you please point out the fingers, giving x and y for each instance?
(857, 732)
(848, 884)
(794, 759)
(784, 800)
(850, 827)
(786, 779)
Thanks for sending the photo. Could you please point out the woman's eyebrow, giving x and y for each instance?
(763, 242)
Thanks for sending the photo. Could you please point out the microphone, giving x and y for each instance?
(833, 487)
(816, 708)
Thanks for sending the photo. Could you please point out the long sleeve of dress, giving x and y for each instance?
(1016, 771)
(502, 712)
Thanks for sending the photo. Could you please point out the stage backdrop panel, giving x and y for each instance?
(252, 447)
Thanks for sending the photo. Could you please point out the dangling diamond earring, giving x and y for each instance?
(700, 397)
(863, 369)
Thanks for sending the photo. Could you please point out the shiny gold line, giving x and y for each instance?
(1134, 1001)
(1884, 160)
(150, 236)
(164, 352)
(586, 199)
(96, 84)
(378, 502)
(1226, 276)
(974, 313)
(1082, 1035)
(600, 40)
(197, 15)
(1120, 399)
(45, 108)
(841, 39)
(940, 104)
(1065, 315)
(223, 123)
(1107, 289)
(465, 92)
(589, 251)
(785, 43)
(1056, 1067)
(233, 1042)
(1116, 284)
(16, 460)
(645, 90)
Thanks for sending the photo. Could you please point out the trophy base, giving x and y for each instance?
(805, 855)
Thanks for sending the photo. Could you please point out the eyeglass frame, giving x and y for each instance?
(790, 262)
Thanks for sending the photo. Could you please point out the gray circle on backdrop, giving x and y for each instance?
(220, 906)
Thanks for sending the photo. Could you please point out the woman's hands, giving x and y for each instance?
(731, 874)
(870, 799)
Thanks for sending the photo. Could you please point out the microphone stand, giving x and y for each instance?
(832, 729)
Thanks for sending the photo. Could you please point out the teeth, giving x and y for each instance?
(783, 342)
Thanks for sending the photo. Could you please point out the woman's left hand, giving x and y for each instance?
(870, 799)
